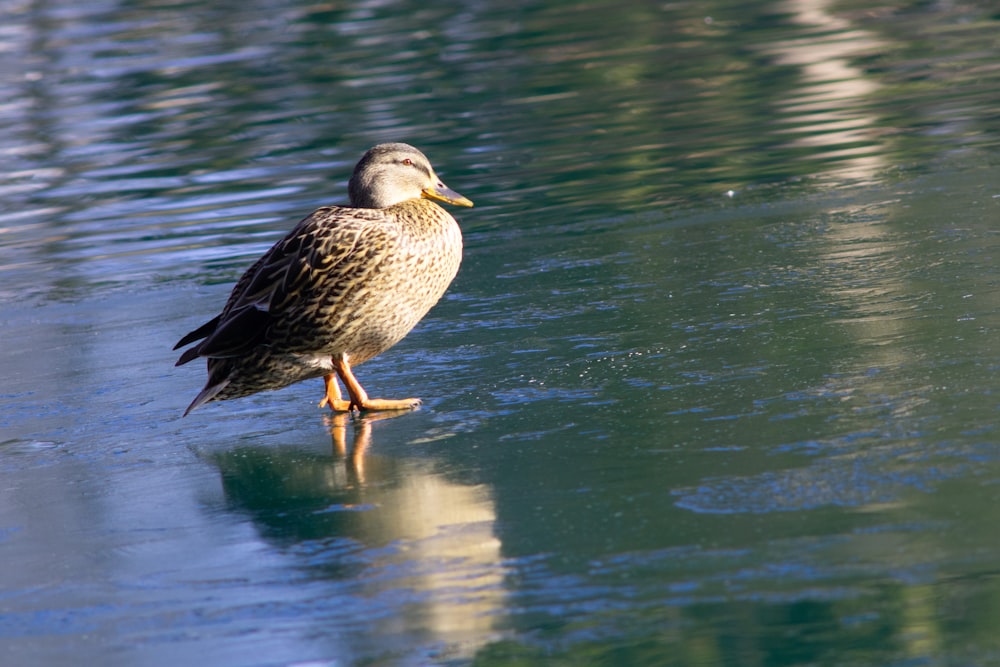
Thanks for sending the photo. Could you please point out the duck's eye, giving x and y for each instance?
(408, 162)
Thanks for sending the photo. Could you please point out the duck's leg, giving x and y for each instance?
(359, 397)
(332, 397)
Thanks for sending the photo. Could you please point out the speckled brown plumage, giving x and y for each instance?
(345, 285)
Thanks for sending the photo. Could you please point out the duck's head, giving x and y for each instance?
(391, 173)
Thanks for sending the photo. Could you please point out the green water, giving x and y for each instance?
(715, 384)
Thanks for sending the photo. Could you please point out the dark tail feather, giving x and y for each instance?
(206, 395)
(199, 333)
(189, 355)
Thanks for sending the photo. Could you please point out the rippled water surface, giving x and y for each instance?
(716, 384)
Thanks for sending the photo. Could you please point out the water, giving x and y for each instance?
(715, 385)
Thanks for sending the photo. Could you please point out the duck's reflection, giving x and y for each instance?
(353, 456)
(387, 529)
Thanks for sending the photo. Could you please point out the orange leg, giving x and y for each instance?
(332, 396)
(359, 397)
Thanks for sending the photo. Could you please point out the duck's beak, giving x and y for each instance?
(442, 192)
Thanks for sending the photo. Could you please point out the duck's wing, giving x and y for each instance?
(316, 254)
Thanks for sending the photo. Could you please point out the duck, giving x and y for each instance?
(343, 286)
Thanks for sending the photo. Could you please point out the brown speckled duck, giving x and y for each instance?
(345, 285)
